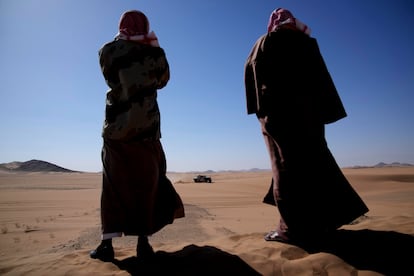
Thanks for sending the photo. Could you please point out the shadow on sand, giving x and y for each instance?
(191, 260)
(386, 252)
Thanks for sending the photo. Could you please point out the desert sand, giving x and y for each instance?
(50, 221)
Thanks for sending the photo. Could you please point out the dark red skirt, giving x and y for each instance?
(137, 197)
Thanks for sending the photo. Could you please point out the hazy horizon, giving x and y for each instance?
(11, 166)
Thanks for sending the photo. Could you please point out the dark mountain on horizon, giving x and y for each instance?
(33, 166)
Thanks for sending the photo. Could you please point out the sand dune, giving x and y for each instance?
(50, 221)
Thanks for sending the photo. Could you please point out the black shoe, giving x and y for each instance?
(103, 252)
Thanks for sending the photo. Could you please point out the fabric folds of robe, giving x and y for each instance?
(286, 66)
(309, 188)
(137, 197)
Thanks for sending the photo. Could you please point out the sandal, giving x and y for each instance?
(274, 235)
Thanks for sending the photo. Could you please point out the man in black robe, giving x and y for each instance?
(291, 92)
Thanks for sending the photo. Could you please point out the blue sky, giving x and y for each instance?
(53, 92)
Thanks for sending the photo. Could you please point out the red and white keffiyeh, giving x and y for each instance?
(281, 17)
(134, 26)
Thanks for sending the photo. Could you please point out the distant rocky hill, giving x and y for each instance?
(33, 166)
(385, 165)
(394, 164)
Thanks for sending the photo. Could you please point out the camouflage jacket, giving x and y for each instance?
(133, 72)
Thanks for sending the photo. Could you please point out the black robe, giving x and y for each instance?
(292, 93)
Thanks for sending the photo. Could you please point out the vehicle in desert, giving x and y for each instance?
(202, 178)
